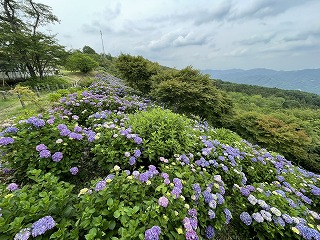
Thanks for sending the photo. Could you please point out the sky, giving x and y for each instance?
(207, 34)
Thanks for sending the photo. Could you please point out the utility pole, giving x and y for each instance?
(104, 53)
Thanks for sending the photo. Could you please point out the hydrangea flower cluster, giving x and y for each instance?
(6, 141)
(42, 225)
(152, 233)
(163, 201)
(13, 187)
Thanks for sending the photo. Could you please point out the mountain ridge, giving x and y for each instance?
(307, 80)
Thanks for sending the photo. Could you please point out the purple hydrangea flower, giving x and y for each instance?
(138, 140)
(211, 214)
(6, 140)
(45, 154)
(307, 232)
(11, 129)
(57, 156)
(100, 185)
(76, 136)
(144, 177)
(36, 122)
(13, 187)
(246, 218)
(152, 233)
(166, 181)
(194, 223)
(191, 235)
(135, 174)
(220, 198)
(210, 232)
(42, 225)
(74, 170)
(244, 191)
(23, 234)
(192, 213)
(279, 221)
(65, 132)
(77, 129)
(257, 217)
(132, 161)
(287, 218)
(163, 201)
(228, 215)
(41, 147)
(137, 153)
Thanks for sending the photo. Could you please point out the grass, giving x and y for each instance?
(11, 107)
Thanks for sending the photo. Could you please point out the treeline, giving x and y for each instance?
(293, 98)
(282, 121)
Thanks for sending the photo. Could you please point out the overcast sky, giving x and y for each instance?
(216, 34)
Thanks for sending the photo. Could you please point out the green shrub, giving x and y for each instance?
(165, 133)
(81, 62)
(53, 82)
(47, 196)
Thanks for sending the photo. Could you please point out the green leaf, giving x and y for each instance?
(116, 214)
(112, 225)
(92, 233)
(110, 202)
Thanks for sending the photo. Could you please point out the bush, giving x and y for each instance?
(47, 196)
(53, 82)
(189, 92)
(165, 133)
(81, 62)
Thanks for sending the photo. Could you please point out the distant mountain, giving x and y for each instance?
(307, 80)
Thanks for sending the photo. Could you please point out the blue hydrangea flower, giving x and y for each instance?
(152, 233)
(45, 154)
(137, 153)
(228, 215)
(191, 235)
(42, 225)
(192, 213)
(246, 218)
(132, 161)
(257, 217)
(36, 122)
(23, 234)
(6, 140)
(13, 187)
(100, 185)
(210, 232)
(41, 147)
(138, 140)
(74, 170)
(11, 129)
(57, 156)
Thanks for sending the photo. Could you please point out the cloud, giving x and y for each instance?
(110, 13)
(218, 13)
(304, 35)
(266, 38)
(238, 52)
(264, 8)
(178, 39)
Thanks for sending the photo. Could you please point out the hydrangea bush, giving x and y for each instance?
(106, 164)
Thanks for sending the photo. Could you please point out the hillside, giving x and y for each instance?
(111, 165)
(307, 80)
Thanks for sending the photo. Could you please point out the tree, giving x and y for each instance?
(188, 91)
(88, 50)
(137, 71)
(81, 62)
(23, 47)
